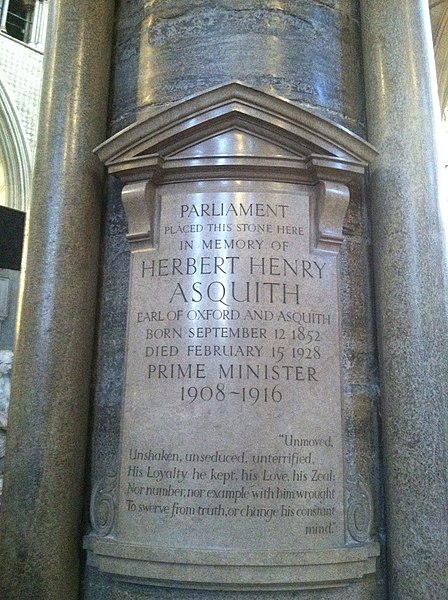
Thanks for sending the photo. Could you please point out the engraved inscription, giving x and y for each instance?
(232, 410)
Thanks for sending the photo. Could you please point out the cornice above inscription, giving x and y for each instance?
(236, 131)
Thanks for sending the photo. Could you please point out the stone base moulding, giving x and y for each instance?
(245, 571)
(232, 404)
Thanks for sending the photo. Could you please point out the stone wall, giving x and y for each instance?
(21, 73)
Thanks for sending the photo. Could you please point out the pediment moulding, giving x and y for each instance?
(235, 131)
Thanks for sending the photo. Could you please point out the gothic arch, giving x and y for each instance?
(15, 153)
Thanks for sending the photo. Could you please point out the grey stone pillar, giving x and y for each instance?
(410, 269)
(274, 46)
(43, 492)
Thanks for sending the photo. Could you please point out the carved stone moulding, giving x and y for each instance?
(245, 571)
(230, 160)
(234, 132)
(229, 130)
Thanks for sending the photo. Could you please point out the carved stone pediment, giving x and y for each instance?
(235, 132)
(230, 129)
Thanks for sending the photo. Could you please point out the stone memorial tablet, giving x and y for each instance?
(231, 456)
(233, 345)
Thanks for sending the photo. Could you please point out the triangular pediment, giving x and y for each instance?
(236, 142)
(234, 120)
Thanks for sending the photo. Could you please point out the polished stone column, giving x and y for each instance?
(410, 271)
(308, 52)
(44, 482)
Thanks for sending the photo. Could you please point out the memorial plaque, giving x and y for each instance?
(231, 454)
(233, 411)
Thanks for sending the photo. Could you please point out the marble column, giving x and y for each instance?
(411, 291)
(44, 482)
